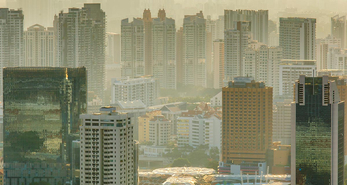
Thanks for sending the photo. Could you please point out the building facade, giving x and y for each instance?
(298, 38)
(247, 121)
(218, 64)
(282, 122)
(317, 132)
(159, 130)
(194, 57)
(143, 125)
(39, 47)
(113, 48)
(41, 110)
(108, 151)
(338, 29)
(258, 19)
(143, 88)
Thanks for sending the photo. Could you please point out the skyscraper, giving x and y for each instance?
(194, 57)
(317, 132)
(108, 150)
(258, 19)
(164, 50)
(179, 55)
(235, 42)
(11, 39)
(148, 23)
(247, 121)
(81, 34)
(113, 48)
(218, 64)
(338, 28)
(39, 47)
(298, 38)
(132, 48)
(41, 108)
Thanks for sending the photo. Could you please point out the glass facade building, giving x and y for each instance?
(41, 110)
(318, 134)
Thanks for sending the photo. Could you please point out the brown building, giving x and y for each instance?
(278, 159)
(247, 121)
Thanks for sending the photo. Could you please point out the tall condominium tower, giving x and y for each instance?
(41, 109)
(298, 38)
(235, 42)
(247, 121)
(258, 19)
(11, 40)
(179, 55)
(148, 23)
(132, 48)
(164, 50)
(323, 48)
(194, 58)
(81, 35)
(108, 151)
(338, 29)
(317, 132)
(113, 48)
(39, 47)
(218, 64)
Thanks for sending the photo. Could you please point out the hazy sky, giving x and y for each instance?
(42, 11)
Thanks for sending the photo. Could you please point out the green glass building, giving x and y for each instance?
(41, 110)
(317, 133)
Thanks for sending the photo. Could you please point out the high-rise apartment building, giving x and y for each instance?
(113, 48)
(142, 88)
(41, 109)
(337, 58)
(179, 55)
(81, 42)
(132, 48)
(317, 132)
(194, 57)
(247, 121)
(235, 42)
(323, 46)
(258, 20)
(164, 50)
(338, 29)
(216, 27)
(282, 122)
(108, 150)
(218, 64)
(39, 47)
(159, 130)
(148, 24)
(11, 40)
(298, 38)
(289, 72)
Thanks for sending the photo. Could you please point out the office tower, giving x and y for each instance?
(194, 57)
(247, 121)
(282, 122)
(113, 48)
(289, 72)
(338, 29)
(323, 46)
(261, 62)
(148, 23)
(179, 55)
(258, 19)
(41, 109)
(201, 126)
(317, 132)
(107, 148)
(235, 42)
(11, 40)
(39, 47)
(159, 130)
(298, 38)
(132, 48)
(143, 125)
(81, 35)
(218, 64)
(143, 88)
(164, 50)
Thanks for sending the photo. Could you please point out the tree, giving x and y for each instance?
(180, 162)
(214, 153)
(213, 164)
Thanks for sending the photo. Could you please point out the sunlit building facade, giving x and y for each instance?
(41, 109)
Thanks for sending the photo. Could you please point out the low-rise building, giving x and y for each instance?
(143, 125)
(216, 101)
(159, 130)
